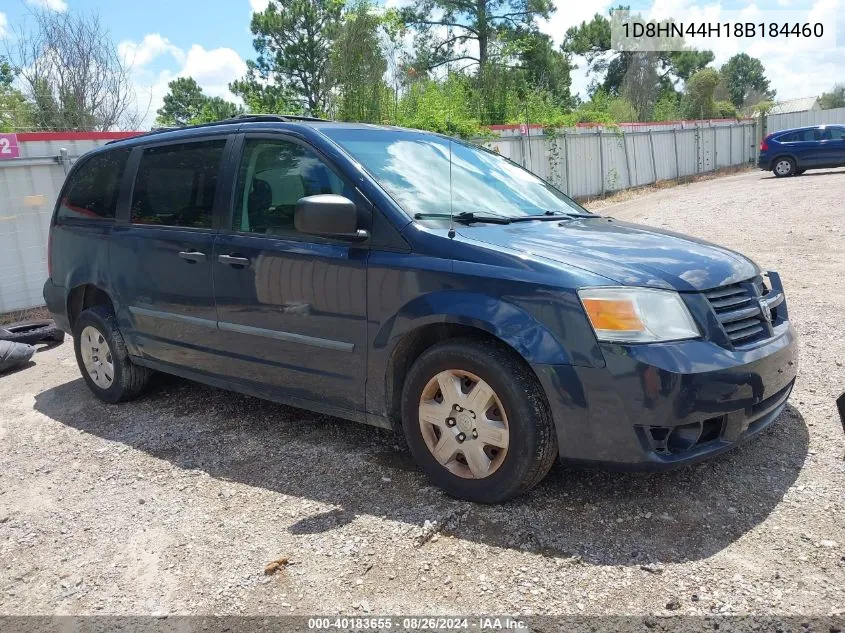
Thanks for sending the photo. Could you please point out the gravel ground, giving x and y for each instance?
(176, 502)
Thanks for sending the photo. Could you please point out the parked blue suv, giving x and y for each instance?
(792, 152)
(418, 283)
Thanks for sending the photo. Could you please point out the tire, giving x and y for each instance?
(784, 167)
(516, 406)
(31, 332)
(95, 329)
(14, 354)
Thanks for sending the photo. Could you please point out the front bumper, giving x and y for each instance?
(658, 406)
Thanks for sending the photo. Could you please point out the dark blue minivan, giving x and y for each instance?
(792, 152)
(413, 282)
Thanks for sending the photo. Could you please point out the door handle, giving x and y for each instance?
(232, 260)
(192, 256)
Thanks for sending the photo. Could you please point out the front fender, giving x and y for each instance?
(502, 319)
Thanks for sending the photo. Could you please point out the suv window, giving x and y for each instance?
(834, 134)
(273, 176)
(93, 190)
(813, 134)
(175, 184)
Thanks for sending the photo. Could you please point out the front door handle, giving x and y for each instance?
(192, 256)
(233, 260)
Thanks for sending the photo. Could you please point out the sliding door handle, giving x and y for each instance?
(192, 256)
(232, 260)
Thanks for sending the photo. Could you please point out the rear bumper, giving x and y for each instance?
(655, 407)
(764, 163)
(54, 298)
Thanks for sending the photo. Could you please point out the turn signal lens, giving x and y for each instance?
(613, 314)
(637, 315)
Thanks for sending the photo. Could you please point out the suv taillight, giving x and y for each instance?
(764, 145)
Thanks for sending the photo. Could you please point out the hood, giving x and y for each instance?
(629, 254)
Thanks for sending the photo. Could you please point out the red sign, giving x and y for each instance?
(9, 147)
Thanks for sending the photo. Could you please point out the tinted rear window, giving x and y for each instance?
(801, 135)
(175, 184)
(92, 191)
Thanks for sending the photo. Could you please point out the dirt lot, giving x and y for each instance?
(175, 503)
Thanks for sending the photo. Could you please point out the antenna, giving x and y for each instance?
(451, 210)
(451, 233)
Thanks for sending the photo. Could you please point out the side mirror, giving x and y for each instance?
(328, 215)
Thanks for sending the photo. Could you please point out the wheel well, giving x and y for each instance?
(779, 156)
(83, 297)
(413, 345)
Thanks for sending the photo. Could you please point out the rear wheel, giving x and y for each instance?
(102, 357)
(476, 421)
(784, 167)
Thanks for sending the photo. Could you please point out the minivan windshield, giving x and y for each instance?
(413, 167)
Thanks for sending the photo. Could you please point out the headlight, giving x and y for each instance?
(637, 315)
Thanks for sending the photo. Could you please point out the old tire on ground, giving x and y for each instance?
(783, 167)
(31, 332)
(476, 421)
(14, 354)
(102, 357)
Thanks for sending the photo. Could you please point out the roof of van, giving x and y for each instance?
(239, 122)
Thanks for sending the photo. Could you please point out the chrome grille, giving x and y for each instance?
(742, 310)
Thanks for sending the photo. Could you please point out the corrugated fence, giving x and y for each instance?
(585, 163)
(777, 122)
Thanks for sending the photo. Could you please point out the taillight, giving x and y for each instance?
(764, 146)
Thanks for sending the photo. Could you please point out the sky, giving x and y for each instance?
(165, 39)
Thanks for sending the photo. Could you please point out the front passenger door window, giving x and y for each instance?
(273, 175)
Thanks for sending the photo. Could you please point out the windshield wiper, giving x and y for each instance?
(465, 217)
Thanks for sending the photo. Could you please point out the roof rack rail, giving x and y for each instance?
(240, 118)
(284, 118)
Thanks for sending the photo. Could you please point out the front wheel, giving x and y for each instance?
(476, 421)
(784, 167)
(102, 357)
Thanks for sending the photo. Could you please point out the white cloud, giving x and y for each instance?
(4, 24)
(139, 55)
(212, 69)
(52, 5)
(258, 6)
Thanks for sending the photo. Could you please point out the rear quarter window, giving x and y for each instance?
(91, 193)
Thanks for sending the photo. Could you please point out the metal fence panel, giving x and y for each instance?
(777, 122)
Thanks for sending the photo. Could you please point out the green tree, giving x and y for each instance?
(182, 104)
(547, 68)
(358, 66)
(187, 104)
(216, 109)
(494, 27)
(744, 75)
(833, 99)
(294, 41)
(667, 108)
(639, 76)
(15, 110)
(262, 95)
(698, 101)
